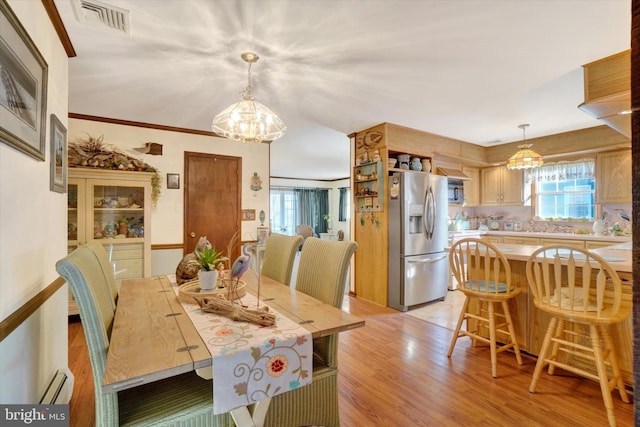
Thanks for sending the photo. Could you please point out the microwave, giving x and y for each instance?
(455, 192)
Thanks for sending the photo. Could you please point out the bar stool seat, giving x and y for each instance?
(484, 276)
(583, 295)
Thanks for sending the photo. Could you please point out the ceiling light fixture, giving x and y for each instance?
(248, 120)
(525, 157)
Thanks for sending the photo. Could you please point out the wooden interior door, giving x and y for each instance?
(212, 200)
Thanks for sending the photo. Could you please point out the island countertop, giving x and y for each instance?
(541, 235)
(618, 256)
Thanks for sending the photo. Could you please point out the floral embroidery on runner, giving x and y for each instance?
(258, 362)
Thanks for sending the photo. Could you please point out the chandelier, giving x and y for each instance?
(525, 158)
(248, 120)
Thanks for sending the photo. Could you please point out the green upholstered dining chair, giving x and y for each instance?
(184, 400)
(279, 256)
(322, 274)
(106, 267)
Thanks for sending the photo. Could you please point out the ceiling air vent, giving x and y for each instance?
(101, 15)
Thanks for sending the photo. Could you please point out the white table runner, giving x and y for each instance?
(252, 362)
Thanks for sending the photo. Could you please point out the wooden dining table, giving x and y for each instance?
(152, 337)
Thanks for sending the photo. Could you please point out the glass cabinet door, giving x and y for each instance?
(118, 212)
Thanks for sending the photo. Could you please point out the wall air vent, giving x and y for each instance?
(102, 15)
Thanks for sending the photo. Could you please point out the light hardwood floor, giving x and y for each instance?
(395, 372)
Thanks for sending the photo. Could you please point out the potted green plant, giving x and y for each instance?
(328, 217)
(207, 261)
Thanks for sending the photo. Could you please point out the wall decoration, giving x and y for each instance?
(58, 161)
(256, 182)
(369, 140)
(248, 214)
(94, 153)
(23, 83)
(262, 217)
(263, 234)
(173, 181)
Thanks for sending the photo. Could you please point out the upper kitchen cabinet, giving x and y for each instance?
(501, 186)
(607, 91)
(471, 187)
(613, 177)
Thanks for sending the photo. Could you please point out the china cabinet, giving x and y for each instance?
(613, 177)
(113, 207)
(501, 186)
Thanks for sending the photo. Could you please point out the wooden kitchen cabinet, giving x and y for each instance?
(472, 187)
(613, 177)
(501, 186)
(565, 242)
(595, 244)
(99, 201)
(493, 239)
(522, 240)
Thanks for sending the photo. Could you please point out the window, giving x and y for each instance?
(283, 211)
(291, 207)
(564, 190)
(343, 209)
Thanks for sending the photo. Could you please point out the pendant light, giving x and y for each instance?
(525, 158)
(248, 120)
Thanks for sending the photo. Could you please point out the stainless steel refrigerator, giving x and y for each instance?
(418, 263)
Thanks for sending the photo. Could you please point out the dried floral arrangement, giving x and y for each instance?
(92, 152)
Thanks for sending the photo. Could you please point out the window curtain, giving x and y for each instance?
(311, 205)
(343, 205)
(561, 171)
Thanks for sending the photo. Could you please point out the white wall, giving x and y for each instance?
(167, 217)
(33, 237)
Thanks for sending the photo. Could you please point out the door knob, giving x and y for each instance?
(192, 234)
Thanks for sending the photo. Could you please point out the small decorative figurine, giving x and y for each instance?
(256, 182)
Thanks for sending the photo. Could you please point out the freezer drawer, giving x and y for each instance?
(423, 278)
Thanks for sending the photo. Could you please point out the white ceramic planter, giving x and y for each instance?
(207, 279)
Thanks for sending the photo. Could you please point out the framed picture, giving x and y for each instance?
(368, 201)
(263, 233)
(23, 111)
(58, 161)
(173, 181)
(248, 214)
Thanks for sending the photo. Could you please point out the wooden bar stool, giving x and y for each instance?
(484, 275)
(583, 295)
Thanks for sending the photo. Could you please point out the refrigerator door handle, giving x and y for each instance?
(426, 260)
(425, 215)
(429, 213)
(433, 212)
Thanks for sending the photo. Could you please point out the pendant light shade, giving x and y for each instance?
(248, 120)
(525, 158)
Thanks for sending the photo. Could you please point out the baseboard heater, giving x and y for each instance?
(59, 390)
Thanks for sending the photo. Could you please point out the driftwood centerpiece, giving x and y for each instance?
(189, 291)
(235, 312)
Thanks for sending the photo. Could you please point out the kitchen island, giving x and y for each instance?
(531, 323)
